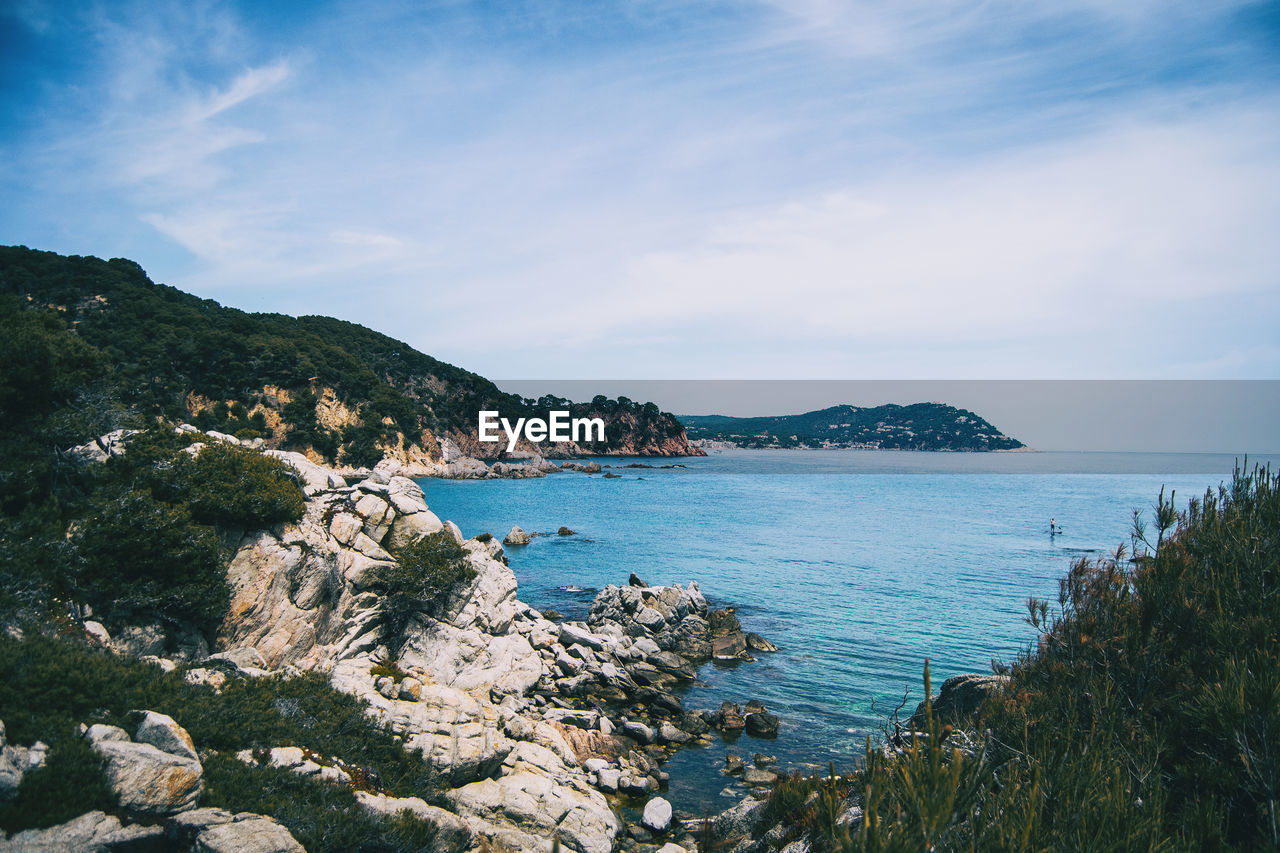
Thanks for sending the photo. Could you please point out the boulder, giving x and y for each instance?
(729, 646)
(314, 478)
(657, 815)
(164, 734)
(411, 527)
(144, 778)
(740, 820)
(755, 642)
(212, 830)
(525, 801)
(634, 580)
(959, 699)
(762, 725)
(452, 832)
(729, 718)
(516, 537)
(93, 832)
(565, 531)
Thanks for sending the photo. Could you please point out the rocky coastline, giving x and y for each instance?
(539, 730)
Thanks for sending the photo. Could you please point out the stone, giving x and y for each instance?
(609, 778)
(571, 634)
(729, 646)
(164, 734)
(730, 717)
(759, 643)
(649, 618)
(733, 765)
(635, 581)
(565, 531)
(670, 734)
(315, 478)
(739, 820)
(959, 699)
(657, 815)
(516, 537)
(758, 776)
(93, 832)
(452, 831)
(144, 778)
(213, 830)
(409, 528)
(97, 633)
(762, 725)
(139, 641)
(637, 731)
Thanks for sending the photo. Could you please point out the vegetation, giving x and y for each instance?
(225, 484)
(156, 351)
(52, 685)
(424, 571)
(920, 426)
(1147, 717)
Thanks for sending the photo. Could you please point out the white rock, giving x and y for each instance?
(657, 815)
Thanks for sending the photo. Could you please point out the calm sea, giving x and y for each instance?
(859, 565)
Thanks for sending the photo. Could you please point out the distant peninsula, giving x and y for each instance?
(919, 426)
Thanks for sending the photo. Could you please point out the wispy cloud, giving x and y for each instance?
(674, 188)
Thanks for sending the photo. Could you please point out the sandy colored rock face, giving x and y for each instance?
(144, 778)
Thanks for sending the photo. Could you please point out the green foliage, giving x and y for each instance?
(132, 555)
(225, 484)
(51, 685)
(1147, 717)
(919, 426)
(424, 571)
(323, 817)
(71, 783)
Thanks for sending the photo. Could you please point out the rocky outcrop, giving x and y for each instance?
(16, 762)
(517, 536)
(93, 832)
(157, 772)
(531, 724)
(959, 699)
(219, 831)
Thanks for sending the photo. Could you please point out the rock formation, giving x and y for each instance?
(529, 722)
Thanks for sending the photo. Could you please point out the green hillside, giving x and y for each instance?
(920, 426)
(157, 351)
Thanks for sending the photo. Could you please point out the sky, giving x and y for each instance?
(890, 189)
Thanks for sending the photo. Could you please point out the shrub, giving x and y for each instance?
(51, 685)
(1147, 716)
(225, 484)
(71, 783)
(424, 571)
(323, 817)
(133, 555)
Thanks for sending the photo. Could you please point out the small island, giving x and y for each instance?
(920, 426)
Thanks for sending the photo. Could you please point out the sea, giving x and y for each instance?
(859, 565)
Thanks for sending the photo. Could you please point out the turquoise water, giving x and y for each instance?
(858, 565)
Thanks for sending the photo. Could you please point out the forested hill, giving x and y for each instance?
(920, 426)
(338, 389)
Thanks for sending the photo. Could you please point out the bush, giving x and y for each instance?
(225, 484)
(133, 555)
(323, 817)
(1147, 717)
(71, 783)
(424, 571)
(52, 685)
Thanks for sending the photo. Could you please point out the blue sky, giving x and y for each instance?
(910, 189)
